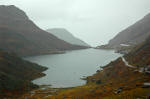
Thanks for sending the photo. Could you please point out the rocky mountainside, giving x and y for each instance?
(20, 35)
(133, 35)
(16, 73)
(65, 35)
(140, 55)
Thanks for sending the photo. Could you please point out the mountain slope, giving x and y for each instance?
(134, 34)
(16, 74)
(66, 36)
(140, 55)
(20, 35)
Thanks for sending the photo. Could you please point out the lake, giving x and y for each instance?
(65, 70)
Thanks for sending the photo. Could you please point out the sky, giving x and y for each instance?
(94, 21)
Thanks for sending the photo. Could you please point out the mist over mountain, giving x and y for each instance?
(20, 35)
(134, 34)
(65, 35)
(118, 70)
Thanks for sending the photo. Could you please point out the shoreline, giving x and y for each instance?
(52, 52)
(83, 78)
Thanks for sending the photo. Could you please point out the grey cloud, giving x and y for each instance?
(95, 21)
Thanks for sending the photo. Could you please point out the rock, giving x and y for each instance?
(146, 85)
(98, 81)
(98, 71)
(148, 68)
(147, 72)
(121, 87)
(145, 69)
(119, 90)
(111, 83)
(135, 71)
(93, 80)
(141, 70)
(92, 90)
(137, 85)
(148, 96)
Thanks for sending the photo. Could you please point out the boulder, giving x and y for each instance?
(119, 90)
(98, 81)
(146, 85)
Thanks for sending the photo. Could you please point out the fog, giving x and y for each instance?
(94, 21)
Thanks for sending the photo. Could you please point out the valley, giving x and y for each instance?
(56, 63)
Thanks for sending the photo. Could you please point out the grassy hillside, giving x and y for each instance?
(140, 55)
(16, 74)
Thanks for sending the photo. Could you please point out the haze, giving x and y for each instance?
(94, 21)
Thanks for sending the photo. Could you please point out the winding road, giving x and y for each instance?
(141, 70)
(126, 63)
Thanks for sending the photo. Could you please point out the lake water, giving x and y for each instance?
(65, 70)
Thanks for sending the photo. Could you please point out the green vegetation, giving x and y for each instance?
(16, 74)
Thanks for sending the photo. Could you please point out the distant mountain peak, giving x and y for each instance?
(65, 35)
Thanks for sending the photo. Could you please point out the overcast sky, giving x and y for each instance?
(94, 21)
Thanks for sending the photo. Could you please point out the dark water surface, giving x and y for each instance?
(65, 70)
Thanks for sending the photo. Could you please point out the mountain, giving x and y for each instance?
(65, 35)
(133, 35)
(20, 35)
(16, 73)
